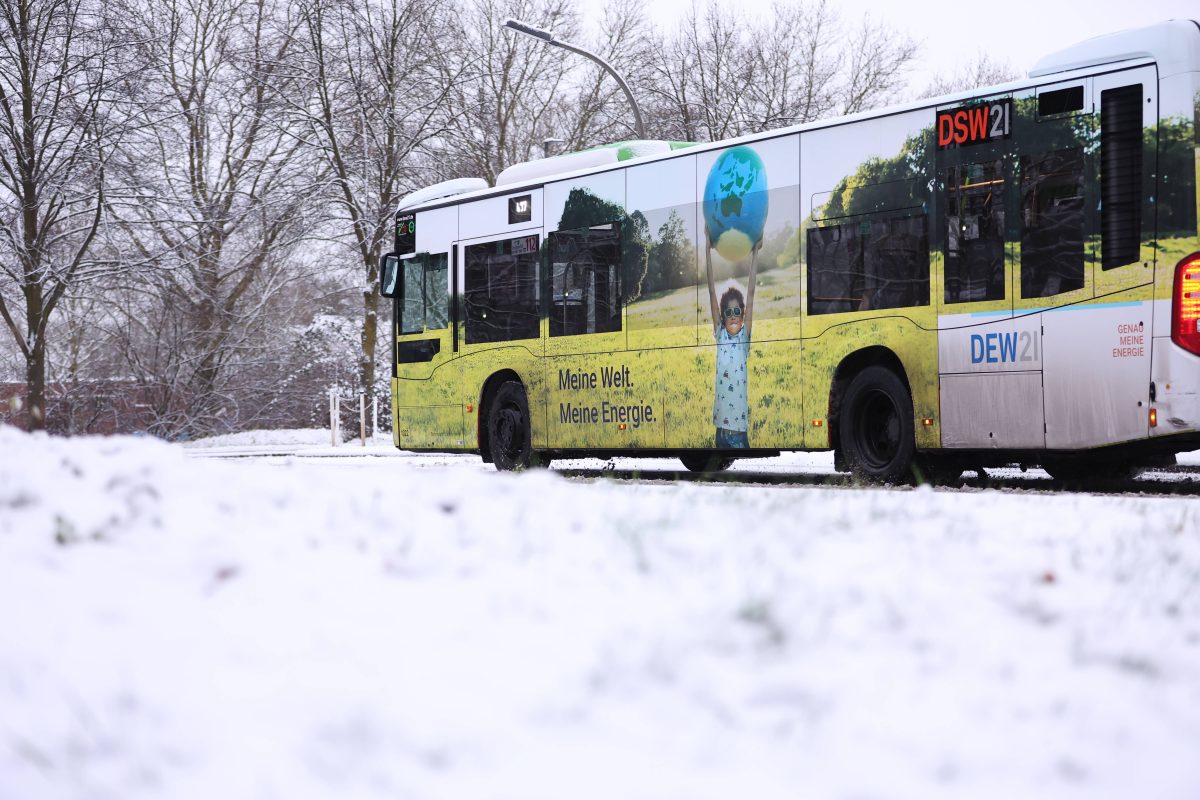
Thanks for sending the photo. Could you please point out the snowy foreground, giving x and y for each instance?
(184, 628)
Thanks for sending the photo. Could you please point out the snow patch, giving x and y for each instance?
(188, 628)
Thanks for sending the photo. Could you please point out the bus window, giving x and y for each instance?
(437, 293)
(585, 266)
(1120, 175)
(1052, 217)
(975, 232)
(501, 290)
(412, 305)
(834, 263)
(868, 264)
(896, 263)
(1061, 101)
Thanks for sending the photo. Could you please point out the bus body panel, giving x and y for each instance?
(991, 381)
(1097, 370)
(502, 216)
(426, 414)
(498, 280)
(768, 217)
(913, 347)
(525, 365)
(599, 394)
(1097, 354)
(866, 275)
(993, 411)
(1175, 373)
(1177, 387)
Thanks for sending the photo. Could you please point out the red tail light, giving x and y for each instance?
(1185, 306)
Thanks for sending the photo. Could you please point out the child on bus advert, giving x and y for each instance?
(735, 213)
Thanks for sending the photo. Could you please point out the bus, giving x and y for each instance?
(1009, 275)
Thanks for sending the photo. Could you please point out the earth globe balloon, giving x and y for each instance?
(735, 203)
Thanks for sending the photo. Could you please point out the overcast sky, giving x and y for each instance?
(1017, 31)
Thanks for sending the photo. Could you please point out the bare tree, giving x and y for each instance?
(983, 71)
(372, 98)
(82, 364)
(875, 60)
(794, 77)
(503, 85)
(217, 206)
(58, 115)
(510, 93)
(719, 75)
(597, 110)
(196, 160)
(697, 78)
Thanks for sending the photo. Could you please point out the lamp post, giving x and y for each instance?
(548, 38)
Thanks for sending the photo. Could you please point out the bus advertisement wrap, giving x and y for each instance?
(936, 283)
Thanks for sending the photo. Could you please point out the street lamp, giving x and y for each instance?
(548, 38)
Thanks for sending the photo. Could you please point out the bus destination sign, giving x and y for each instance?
(406, 233)
(525, 244)
(977, 123)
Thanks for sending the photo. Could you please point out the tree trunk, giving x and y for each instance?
(366, 364)
(35, 387)
(53, 83)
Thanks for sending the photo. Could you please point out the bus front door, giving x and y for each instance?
(427, 411)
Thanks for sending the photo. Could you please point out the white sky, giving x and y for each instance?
(1017, 31)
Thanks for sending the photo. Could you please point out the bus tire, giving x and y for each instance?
(508, 427)
(875, 430)
(705, 462)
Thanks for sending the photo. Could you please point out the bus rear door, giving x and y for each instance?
(1097, 351)
(991, 384)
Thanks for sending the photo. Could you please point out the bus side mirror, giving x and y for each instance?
(389, 275)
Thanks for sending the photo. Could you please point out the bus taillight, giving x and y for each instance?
(1185, 306)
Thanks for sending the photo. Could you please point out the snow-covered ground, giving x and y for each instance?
(311, 628)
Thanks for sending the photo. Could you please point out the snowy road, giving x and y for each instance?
(384, 626)
(788, 469)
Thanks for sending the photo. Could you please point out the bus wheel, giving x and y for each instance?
(508, 427)
(705, 462)
(876, 427)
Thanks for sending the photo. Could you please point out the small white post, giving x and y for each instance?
(362, 417)
(337, 419)
(374, 415)
(332, 421)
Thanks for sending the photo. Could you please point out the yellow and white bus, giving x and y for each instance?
(1008, 275)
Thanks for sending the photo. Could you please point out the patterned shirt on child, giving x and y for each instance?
(731, 410)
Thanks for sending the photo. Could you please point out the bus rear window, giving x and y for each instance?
(1120, 175)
